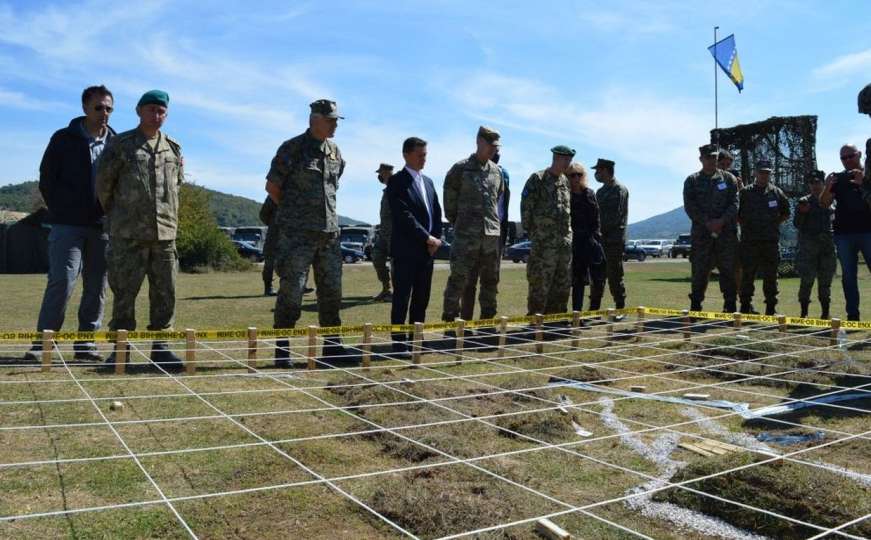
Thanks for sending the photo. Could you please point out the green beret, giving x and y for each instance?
(563, 150)
(154, 97)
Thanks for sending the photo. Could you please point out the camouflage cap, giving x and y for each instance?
(563, 150)
(601, 162)
(326, 108)
(154, 97)
(490, 135)
(709, 150)
(725, 154)
(816, 176)
(384, 167)
(763, 165)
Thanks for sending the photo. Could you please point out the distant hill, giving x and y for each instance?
(229, 210)
(664, 226)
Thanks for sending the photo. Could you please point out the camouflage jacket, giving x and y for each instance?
(710, 197)
(471, 197)
(760, 211)
(817, 220)
(267, 212)
(866, 188)
(613, 212)
(138, 186)
(308, 172)
(545, 209)
(386, 220)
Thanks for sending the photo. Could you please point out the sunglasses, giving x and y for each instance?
(848, 156)
(575, 175)
(101, 108)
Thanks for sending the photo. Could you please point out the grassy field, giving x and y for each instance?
(234, 300)
(478, 442)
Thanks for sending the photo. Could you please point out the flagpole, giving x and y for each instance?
(716, 95)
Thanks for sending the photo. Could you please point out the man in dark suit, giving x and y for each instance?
(417, 230)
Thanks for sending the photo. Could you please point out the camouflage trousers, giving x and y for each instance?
(549, 274)
(816, 260)
(614, 275)
(296, 252)
(130, 262)
(473, 256)
(708, 253)
(467, 302)
(380, 254)
(269, 247)
(759, 257)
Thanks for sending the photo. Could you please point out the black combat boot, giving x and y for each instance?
(110, 360)
(695, 305)
(771, 309)
(824, 313)
(282, 353)
(267, 289)
(747, 307)
(804, 307)
(165, 358)
(333, 352)
(620, 304)
(730, 306)
(595, 303)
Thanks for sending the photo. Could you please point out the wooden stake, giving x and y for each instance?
(576, 324)
(686, 324)
(737, 318)
(252, 349)
(367, 345)
(47, 349)
(190, 351)
(551, 530)
(639, 326)
(417, 342)
(312, 346)
(836, 327)
(539, 333)
(120, 352)
(609, 328)
(503, 328)
(781, 323)
(461, 333)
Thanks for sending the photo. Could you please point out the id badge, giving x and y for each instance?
(772, 204)
(721, 186)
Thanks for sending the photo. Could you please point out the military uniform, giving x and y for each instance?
(267, 217)
(471, 195)
(708, 197)
(381, 249)
(137, 184)
(816, 252)
(613, 200)
(761, 210)
(545, 208)
(308, 171)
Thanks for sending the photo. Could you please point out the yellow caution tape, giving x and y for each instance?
(241, 334)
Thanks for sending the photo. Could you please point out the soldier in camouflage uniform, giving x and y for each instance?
(302, 180)
(471, 196)
(711, 201)
(816, 247)
(762, 207)
(137, 183)
(545, 209)
(724, 162)
(267, 217)
(381, 249)
(613, 200)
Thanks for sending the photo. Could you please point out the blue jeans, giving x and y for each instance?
(74, 250)
(849, 246)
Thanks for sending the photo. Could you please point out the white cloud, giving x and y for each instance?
(18, 100)
(847, 65)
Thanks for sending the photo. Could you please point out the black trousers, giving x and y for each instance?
(412, 280)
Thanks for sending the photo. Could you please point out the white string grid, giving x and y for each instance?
(443, 377)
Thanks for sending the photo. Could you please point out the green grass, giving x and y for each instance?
(235, 300)
(427, 494)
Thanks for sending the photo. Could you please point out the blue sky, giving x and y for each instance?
(630, 81)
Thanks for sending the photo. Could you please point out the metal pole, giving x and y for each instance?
(716, 93)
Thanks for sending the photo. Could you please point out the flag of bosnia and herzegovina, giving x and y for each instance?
(726, 55)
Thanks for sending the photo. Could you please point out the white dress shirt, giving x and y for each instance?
(421, 190)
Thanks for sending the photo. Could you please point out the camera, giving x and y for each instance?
(845, 176)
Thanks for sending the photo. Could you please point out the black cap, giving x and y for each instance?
(601, 162)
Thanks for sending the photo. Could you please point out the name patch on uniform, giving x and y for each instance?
(772, 204)
(721, 186)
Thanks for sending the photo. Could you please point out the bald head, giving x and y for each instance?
(851, 157)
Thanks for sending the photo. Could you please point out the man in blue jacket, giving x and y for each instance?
(77, 243)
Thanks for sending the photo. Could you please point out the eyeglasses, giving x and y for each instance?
(101, 108)
(575, 175)
(849, 156)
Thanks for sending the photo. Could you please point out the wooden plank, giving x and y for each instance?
(696, 449)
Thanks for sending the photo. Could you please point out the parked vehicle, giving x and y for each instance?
(362, 235)
(519, 251)
(247, 250)
(653, 248)
(633, 251)
(351, 254)
(681, 247)
(256, 236)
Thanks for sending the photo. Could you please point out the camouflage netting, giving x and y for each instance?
(789, 142)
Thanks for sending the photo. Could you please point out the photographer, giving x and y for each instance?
(852, 227)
